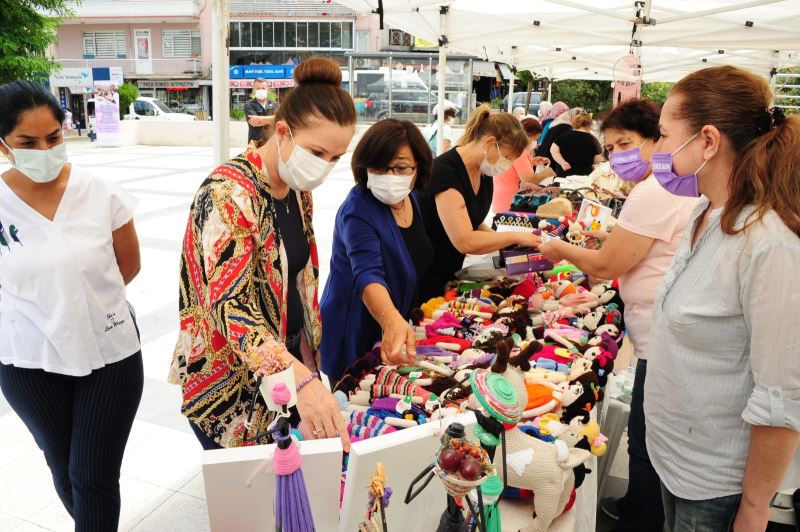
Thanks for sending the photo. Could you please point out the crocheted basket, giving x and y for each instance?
(459, 487)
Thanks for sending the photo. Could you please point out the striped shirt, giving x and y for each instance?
(725, 350)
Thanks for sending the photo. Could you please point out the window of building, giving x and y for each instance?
(292, 34)
(104, 44)
(400, 38)
(180, 43)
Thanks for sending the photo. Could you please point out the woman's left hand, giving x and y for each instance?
(320, 413)
(553, 250)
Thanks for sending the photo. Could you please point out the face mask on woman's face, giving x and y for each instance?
(494, 169)
(304, 171)
(40, 166)
(628, 164)
(680, 185)
(389, 188)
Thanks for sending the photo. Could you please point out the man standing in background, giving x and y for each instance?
(260, 111)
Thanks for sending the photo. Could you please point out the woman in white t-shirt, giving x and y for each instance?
(639, 251)
(70, 359)
(431, 131)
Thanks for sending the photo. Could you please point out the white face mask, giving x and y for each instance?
(304, 171)
(497, 168)
(262, 94)
(389, 188)
(40, 166)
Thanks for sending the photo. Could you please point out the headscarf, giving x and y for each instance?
(558, 109)
(567, 117)
(544, 108)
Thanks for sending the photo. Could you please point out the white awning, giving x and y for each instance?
(584, 38)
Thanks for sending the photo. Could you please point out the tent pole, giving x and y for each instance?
(220, 126)
(511, 78)
(442, 75)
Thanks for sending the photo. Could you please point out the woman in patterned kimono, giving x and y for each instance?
(249, 270)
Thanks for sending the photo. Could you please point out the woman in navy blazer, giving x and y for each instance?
(380, 250)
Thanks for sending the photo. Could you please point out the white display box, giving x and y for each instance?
(232, 505)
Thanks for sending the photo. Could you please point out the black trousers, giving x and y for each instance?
(642, 508)
(82, 425)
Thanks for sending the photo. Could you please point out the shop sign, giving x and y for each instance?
(419, 42)
(71, 77)
(181, 84)
(261, 71)
(271, 83)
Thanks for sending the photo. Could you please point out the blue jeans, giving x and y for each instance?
(710, 515)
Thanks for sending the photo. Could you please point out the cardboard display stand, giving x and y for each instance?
(405, 454)
(232, 505)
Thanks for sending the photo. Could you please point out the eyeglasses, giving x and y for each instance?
(400, 170)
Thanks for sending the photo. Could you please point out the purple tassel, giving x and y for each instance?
(292, 509)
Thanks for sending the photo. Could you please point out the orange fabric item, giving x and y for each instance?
(538, 395)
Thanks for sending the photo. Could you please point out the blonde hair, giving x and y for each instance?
(504, 127)
(582, 120)
(767, 145)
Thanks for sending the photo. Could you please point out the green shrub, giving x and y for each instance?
(237, 113)
(128, 93)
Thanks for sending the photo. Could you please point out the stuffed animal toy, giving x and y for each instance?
(546, 469)
(580, 397)
(597, 441)
(541, 375)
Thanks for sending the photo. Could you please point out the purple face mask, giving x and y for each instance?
(685, 185)
(628, 164)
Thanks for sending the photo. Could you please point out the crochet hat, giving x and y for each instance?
(497, 395)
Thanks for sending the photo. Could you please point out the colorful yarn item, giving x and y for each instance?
(292, 508)
(389, 382)
(280, 394)
(287, 461)
(497, 395)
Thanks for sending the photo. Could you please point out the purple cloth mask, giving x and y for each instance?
(628, 164)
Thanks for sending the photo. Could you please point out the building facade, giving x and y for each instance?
(162, 47)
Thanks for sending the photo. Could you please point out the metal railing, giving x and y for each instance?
(132, 67)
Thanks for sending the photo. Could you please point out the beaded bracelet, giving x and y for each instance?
(308, 379)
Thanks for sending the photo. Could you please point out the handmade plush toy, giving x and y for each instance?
(596, 440)
(546, 469)
(580, 397)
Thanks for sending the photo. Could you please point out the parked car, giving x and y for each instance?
(519, 101)
(144, 108)
(177, 107)
(409, 104)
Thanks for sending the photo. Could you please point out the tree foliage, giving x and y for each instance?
(656, 91)
(592, 95)
(128, 93)
(27, 29)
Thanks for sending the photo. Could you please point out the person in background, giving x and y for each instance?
(577, 151)
(723, 392)
(249, 272)
(67, 120)
(523, 170)
(260, 112)
(519, 113)
(557, 127)
(431, 131)
(544, 108)
(380, 250)
(458, 199)
(70, 358)
(555, 110)
(639, 251)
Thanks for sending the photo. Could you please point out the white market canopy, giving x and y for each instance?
(583, 39)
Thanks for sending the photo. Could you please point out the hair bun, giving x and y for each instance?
(318, 70)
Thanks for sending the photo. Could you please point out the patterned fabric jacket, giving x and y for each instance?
(233, 298)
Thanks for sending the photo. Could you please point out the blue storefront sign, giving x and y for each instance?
(261, 71)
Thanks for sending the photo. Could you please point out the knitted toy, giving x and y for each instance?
(580, 397)
(527, 462)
